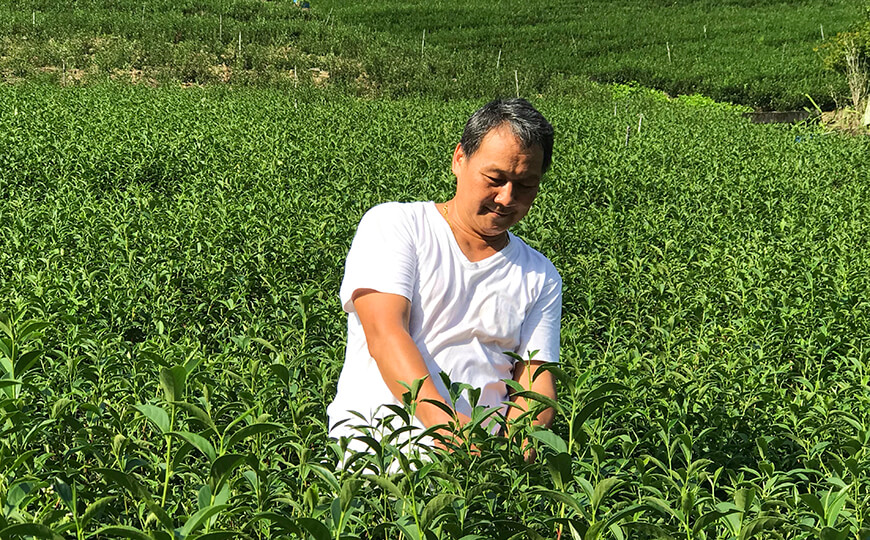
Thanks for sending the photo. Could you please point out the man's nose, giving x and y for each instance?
(505, 194)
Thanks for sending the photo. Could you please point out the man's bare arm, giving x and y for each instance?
(526, 373)
(385, 320)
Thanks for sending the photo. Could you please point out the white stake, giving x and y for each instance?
(517, 82)
(240, 44)
(668, 45)
(639, 122)
(705, 31)
(498, 60)
(33, 19)
(221, 27)
(822, 29)
(627, 134)
(423, 43)
(295, 77)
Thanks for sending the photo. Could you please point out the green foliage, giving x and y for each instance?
(848, 53)
(756, 53)
(242, 42)
(169, 261)
(854, 41)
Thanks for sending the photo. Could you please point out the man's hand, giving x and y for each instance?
(385, 320)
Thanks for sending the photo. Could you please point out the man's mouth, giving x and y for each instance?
(500, 213)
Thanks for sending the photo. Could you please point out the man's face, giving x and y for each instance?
(495, 186)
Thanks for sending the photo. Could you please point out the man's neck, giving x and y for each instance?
(474, 246)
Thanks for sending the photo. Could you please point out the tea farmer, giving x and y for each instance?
(432, 287)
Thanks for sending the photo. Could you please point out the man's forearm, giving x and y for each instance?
(542, 383)
(399, 360)
(384, 318)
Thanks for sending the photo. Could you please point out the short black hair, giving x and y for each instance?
(525, 121)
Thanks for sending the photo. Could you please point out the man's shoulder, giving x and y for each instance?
(535, 260)
(396, 212)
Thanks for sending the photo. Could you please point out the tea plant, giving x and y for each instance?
(171, 334)
(760, 54)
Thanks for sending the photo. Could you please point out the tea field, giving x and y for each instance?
(171, 333)
(754, 52)
(180, 184)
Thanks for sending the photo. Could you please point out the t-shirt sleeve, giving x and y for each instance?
(382, 255)
(540, 330)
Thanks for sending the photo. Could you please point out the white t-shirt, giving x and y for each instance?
(464, 315)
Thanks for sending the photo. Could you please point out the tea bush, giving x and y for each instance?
(756, 53)
(760, 54)
(169, 261)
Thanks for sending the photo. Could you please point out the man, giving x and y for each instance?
(432, 287)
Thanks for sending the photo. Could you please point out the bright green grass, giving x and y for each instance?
(243, 42)
(755, 53)
(185, 249)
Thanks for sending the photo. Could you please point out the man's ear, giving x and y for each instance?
(458, 158)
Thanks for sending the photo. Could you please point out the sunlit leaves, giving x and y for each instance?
(177, 337)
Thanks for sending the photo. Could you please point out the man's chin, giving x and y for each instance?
(497, 229)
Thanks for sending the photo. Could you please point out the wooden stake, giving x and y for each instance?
(517, 82)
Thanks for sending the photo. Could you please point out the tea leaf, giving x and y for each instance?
(198, 519)
(94, 509)
(439, 504)
(314, 528)
(156, 415)
(552, 440)
(36, 530)
(173, 381)
(199, 442)
(759, 524)
(123, 531)
(251, 431)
